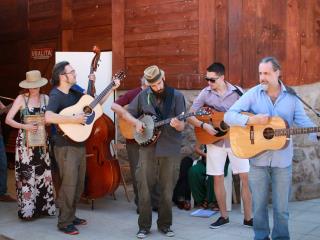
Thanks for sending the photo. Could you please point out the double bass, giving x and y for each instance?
(103, 170)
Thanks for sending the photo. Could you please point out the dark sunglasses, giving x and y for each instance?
(213, 80)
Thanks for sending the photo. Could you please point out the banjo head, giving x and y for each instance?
(147, 134)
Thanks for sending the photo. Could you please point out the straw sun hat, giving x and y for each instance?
(33, 80)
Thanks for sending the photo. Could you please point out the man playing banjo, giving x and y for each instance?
(156, 161)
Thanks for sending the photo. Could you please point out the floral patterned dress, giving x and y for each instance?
(34, 184)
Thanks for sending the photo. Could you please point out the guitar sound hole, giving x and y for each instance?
(224, 126)
(268, 133)
(87, 110)
(219, 132)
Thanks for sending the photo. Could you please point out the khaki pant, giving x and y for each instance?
(150, 171)
(72, 168)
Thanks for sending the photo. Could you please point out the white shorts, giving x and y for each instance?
(216, 159)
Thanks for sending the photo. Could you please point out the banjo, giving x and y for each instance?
(152, 131)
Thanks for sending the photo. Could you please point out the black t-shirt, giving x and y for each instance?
(58, 101)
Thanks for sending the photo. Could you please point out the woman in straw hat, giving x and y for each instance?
(32, 165)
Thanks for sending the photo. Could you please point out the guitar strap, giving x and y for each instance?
(293, 92)
(237, 90)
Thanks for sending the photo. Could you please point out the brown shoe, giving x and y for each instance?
(7, 198)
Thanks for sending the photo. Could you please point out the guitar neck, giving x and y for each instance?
(180, 117)
(101, 95)
(295, 131)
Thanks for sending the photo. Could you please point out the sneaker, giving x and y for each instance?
(220, 222)
(70, 229)
(248, 223)
(79, 221)
(142, 233)
(167, 231)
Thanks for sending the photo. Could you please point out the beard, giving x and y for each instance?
(161, 93)
(264, 85)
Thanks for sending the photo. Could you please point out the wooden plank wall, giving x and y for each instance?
(13, 45)
(163, 32)
(63, 25)
(184, 37)
(181, 36)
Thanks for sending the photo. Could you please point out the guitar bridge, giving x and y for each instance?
(251, 134)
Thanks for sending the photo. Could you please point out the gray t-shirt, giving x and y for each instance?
(58, 101)
(169, 142)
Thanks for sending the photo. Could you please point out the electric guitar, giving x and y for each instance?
(251, 140)
(152, 130)
(91, 108)
(215, 119)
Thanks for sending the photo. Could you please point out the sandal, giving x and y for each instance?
(204, 204)
(214, 206)
(187, 205)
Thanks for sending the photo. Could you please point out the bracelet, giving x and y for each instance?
(201, 125)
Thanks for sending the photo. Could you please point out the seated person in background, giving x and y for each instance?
(201, 184)
(193, 179)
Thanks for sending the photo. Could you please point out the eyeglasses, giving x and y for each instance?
(73, 72)
(213, 80)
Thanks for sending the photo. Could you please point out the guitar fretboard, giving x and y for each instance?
(94, 103)
(101, 95)
(295, 131)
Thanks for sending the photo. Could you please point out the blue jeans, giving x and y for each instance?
(259, 180)
(3, 168)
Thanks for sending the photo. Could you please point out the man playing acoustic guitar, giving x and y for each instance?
(220, 95)
(70, 155)
(268, 99)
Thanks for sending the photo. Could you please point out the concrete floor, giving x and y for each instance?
(117, 219)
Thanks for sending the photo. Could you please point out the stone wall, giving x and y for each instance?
(306, 164)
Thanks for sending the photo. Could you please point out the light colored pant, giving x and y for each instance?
(259, 180)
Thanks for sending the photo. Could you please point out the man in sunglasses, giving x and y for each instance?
(220, 95)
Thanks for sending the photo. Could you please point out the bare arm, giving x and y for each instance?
(17, 105)
(123, 113)
(116, 85)
(51, 117)
(193, 120)
(197, 123)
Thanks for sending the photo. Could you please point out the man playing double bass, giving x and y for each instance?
(69, 155)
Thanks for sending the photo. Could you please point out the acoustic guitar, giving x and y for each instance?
(126, 130)
(91, 108)
(152, 130)
(215, 119)
(252, 140)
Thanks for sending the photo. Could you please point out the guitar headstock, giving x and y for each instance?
(119, 75)
(202, 111)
